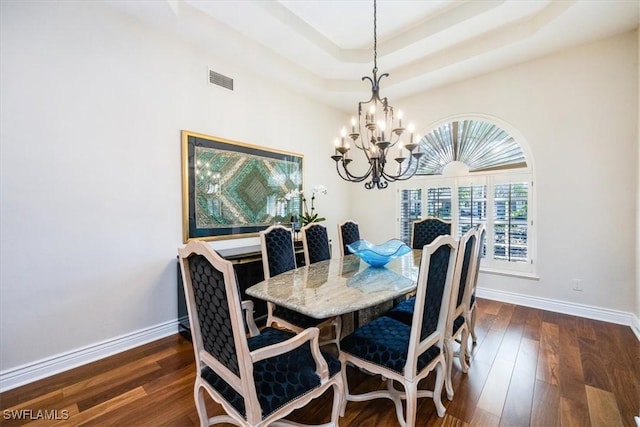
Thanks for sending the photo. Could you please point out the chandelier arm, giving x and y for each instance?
(348, 176)
(355, 178)
(340, 173)
(402, 175)
(406, 174)
(345, 177)
(361, 146)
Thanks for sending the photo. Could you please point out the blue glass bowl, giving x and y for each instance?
(379, 255)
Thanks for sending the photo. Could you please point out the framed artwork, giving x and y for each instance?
(232, 189)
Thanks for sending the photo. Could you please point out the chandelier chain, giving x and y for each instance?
(375, 38)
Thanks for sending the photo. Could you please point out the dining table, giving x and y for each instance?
(340, 285)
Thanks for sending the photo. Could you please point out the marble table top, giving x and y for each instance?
(340, 285)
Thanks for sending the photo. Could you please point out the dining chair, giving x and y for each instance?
(278, 256)
(457, 326)
(470, 312)
(315, 243)
(408, 353)
(257, 379)
(348, 232)
(424, 231)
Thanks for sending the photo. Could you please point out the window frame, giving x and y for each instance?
(490, 179)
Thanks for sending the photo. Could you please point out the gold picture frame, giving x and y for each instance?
(232, 189)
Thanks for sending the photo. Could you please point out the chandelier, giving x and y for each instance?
(375, 134)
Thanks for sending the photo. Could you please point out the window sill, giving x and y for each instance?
(519, 274)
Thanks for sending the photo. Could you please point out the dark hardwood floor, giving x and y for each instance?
(529, 367)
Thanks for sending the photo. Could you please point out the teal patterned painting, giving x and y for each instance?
(232, 189)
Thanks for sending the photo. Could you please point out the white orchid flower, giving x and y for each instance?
(319, 189)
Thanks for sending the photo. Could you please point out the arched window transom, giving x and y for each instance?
(480, 145)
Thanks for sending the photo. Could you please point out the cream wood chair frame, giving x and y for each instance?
(470, 302)
(458, 310)
(410, 377)
(244, 383)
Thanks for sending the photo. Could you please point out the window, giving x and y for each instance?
(472, 206)
(410, 210)
(491, 184)
(439, 202)
(510, 221)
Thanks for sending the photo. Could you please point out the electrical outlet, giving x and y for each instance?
(577, 284)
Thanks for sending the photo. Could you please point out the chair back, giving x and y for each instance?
(348, 232)
(315, 243)
(278, 254)
(481, 234)
(433, 296)
(462, 277)
(215, 316)
(426, 230)
(467, 267)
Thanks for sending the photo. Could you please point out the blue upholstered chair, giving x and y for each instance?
(315, 243)
(426, 230)
(408, 353)
(278, 256)
(257, 379)
(348, 232)
(470, 305)
(456, 324)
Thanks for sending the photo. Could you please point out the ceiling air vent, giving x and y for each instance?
(220, 80)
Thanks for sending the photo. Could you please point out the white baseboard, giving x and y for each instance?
(574, 309)
(636, 326)
(24, 374)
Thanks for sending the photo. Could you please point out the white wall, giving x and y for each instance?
(577, 110)
(92, 107)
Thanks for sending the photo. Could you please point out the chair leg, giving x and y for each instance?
(448, 357)
(411, 390)
(201, 407)
(472, 325)
(345, 384)
(270, 320)
(339, 402)
(464, 355)
(338, 325)
(437, 391)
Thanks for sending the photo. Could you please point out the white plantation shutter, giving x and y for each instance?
(472, 207)
(410, 211)
(439, 202)
(500, 201)
(510, 221)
